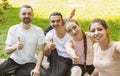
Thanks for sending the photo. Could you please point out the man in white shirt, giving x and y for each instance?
(22, 41)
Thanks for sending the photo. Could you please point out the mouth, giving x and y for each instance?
(75, 34)
(55, 26)
(27, 20)
(97, 37)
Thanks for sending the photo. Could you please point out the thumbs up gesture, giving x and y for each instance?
(51, 44)
(19, 44)
(76, 59)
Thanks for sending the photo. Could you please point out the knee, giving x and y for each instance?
(76, 71)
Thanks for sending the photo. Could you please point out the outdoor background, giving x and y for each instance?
(86, 10)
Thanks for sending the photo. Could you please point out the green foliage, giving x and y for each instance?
(1, 13)
(5, 4)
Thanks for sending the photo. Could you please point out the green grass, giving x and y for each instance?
(86, 10)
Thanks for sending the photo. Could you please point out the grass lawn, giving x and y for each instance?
(86, 10)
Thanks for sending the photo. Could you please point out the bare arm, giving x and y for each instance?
(35, 71)
(117, 46)
(90, 35)
(11, 48)
(69, 49)
(70, 15)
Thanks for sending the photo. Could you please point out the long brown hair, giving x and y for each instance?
(85, 41)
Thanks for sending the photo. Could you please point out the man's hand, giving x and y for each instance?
(19, 44)
(35, 72)
(51, 45)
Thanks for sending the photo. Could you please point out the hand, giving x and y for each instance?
(72, 13)
(19, 44)
(51, 44)
(91, 36)
(35, 72)
(76, 59)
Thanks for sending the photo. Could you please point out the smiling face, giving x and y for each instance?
(99, 31)
(26, 15)
(73, 29)
(56, 21)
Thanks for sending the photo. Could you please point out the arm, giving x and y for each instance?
(90, 35)
(73, 54)
(117, 46)
(69, 49)
(11, 48)
(70, 15)
(49, 46)
(36, 70)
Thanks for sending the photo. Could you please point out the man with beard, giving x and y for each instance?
(21, 43)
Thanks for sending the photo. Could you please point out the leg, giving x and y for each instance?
(43, 72)
(8, 66)
(25, 70)
(63, 66)
(76, 71)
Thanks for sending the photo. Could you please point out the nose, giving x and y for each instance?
(26, 15)
(96, 32)
(55, 23)
(73, 31)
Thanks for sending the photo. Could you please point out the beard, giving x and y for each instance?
(26, 20)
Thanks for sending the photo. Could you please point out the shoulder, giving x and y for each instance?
(14, 27)
(117, 45)
(37, 28)
(51, 32)
(49, 35)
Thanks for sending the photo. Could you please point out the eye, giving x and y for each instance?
(52, 21)
(69, 31)
(23, 13)
(58, 20)
(29, 14)
(74, 27)
(93, 30)
(99, 29)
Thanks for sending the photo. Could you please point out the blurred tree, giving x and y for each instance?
(5, 4)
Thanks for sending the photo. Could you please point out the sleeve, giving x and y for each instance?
(49, 35)
(11, 37)
(41, 39)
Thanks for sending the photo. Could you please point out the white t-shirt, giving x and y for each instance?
(30, 39)
(59, 42)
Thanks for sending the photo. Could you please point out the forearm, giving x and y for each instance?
(10, 48)
(70, 50)
(39, 61)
